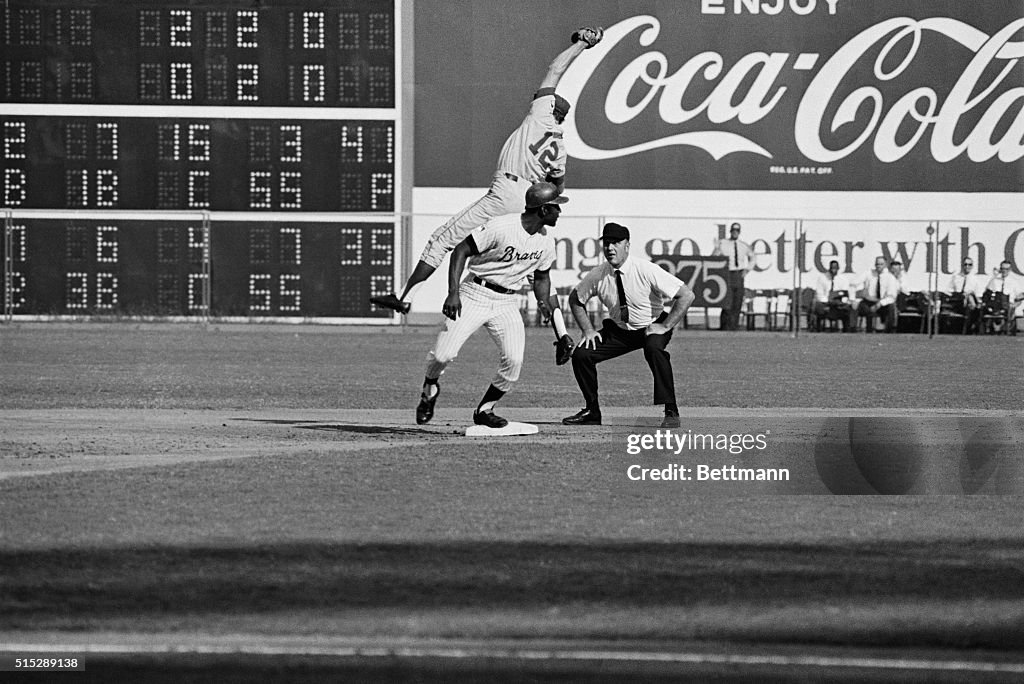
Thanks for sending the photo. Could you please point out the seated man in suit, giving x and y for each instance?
(910, 305)
(964, 294)
(831, 298)
(878, 291)
(1003, 294)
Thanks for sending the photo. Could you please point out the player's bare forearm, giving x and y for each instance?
(457, 265)
(561, 63)
(542, 291)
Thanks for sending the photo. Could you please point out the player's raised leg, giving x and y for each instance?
(503, 197)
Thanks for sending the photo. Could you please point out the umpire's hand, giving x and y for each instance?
(452, 306)
(590, 339)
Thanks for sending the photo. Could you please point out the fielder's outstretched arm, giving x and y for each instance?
(561, 63)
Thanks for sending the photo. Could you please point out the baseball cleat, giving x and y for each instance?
(425, 409)
(584, 417)
(391, 301)
(488, 419)
(671, 419)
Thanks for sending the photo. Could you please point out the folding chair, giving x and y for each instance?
(758, 303)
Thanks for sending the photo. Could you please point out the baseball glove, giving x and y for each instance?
(590, 36)
(564, 347)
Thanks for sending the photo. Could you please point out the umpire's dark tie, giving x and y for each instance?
(736, 253)
(623, 307)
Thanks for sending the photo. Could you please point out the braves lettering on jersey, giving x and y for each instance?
(536, 150)
(507, 253)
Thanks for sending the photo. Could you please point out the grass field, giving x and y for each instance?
(166, 484)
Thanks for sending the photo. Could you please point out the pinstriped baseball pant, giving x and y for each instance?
(499, 314)
(505, 196)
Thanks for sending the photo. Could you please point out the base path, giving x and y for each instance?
(887, 451)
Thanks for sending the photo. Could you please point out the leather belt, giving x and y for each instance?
(492, 286)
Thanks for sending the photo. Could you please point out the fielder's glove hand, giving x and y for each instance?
(564, 347)
(590, 36)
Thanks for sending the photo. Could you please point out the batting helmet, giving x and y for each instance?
(540, 194)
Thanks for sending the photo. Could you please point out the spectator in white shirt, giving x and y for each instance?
(831, 298)
(741, 262)
(1003, 293)
(965, 290)
(896, 268)
(878, 291)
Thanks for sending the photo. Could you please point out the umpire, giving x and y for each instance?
(634, 292)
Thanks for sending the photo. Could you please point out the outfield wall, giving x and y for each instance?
(861, 123)
(971, 228)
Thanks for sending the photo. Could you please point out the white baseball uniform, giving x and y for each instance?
(506, 254)
(531, 153)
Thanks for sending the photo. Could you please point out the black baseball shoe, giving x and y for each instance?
(391, 301)
(584, 417)
(671, 419)
(489, 419)
(425, 409)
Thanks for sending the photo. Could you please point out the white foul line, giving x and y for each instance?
(482, 652)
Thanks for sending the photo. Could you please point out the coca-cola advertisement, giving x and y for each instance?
(865, 95)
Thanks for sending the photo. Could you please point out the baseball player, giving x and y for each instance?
(500, 255)
(534, 152)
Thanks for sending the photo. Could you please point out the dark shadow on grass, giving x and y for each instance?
(359, 429)
(62, 586)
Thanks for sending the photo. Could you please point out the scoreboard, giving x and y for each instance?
(216, 164)
(262, 140)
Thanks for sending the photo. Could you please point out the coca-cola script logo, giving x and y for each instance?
(985, 83)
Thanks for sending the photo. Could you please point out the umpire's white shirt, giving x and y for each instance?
(647, 287)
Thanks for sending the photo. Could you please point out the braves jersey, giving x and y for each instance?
(536, 150)
(507, 253)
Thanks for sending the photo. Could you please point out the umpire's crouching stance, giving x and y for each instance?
(634, 291)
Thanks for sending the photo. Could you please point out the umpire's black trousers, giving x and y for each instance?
(615, 342)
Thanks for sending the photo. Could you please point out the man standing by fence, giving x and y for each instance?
(741, 261)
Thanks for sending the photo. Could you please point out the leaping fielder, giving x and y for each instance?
(500, 255)
(534, 152)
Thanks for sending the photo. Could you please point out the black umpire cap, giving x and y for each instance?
(613, 232)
